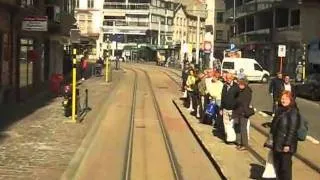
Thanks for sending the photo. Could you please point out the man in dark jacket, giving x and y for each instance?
(275, 90)
(240, 114)
(229, 96)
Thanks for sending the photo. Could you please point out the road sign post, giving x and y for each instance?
(281, 55)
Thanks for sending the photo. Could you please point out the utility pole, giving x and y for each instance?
(159, 31)
(198, 39)
(234, 18)
(113, 35)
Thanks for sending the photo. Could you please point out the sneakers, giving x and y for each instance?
(83, 79)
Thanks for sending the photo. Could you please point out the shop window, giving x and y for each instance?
(26, 66)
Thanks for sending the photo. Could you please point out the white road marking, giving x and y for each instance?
(313, 140)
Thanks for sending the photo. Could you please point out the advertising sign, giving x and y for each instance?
(35, 23)
(207, 47)
(282, 51)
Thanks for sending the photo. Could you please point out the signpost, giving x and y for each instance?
(281, 54)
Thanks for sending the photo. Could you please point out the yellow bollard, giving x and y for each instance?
(74, 82)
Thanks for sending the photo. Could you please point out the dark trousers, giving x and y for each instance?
(283, 165)
(241, 130)
(83, 73)
(275, 104)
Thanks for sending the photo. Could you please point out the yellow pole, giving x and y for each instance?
(74, 81)
(107, 69)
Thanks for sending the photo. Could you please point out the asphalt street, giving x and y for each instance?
(310, 110)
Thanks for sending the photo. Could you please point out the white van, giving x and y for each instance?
(252, 69)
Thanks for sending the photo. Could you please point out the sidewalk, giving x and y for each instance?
(235, 164)
(36, 143)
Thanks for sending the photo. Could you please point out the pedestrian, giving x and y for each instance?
(284, 129)
(241, 114)
(287, 86)
(185, 73)
(215, 90)
(211, 112)
(191, 81)
(202, 94)
(83, 66)
(229, 96)
(299, 72)
(275, 89)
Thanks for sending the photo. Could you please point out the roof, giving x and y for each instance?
(192, 8)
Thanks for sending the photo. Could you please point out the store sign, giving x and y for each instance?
(35, 23)
(282, 51)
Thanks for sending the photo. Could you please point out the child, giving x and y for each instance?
(211, 111)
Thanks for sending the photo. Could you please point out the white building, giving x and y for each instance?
(89, 17)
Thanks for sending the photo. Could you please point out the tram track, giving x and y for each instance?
(129, 163)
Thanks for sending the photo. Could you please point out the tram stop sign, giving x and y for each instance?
(75, 36)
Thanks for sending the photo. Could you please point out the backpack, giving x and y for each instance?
(302, 129)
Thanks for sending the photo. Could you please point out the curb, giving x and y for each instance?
(299, 156)
(211, 157)
(75, 162)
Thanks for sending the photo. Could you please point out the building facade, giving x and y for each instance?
(32, 35)
(262, 25)
(133, 23)
(89, 16)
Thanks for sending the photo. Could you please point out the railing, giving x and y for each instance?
(132, 6)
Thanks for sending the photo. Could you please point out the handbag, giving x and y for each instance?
(269, 171)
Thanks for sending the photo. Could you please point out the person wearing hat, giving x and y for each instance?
(240, 114)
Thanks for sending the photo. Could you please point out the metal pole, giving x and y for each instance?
(304, 62)
(74, 82)
(113, 32)
(159, 31)
(234, 18)
(198, 39)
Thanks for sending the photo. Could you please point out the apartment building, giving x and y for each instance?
(262, 25)
(133, 23)
(89, 16)
(32, 34)
(185, 30)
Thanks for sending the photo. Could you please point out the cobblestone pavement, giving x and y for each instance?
(40, 145)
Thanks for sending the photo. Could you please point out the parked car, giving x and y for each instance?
(310, 88)
(252, 69)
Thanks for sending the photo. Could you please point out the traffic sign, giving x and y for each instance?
(282, 51)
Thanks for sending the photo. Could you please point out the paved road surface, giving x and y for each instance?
(309, 110)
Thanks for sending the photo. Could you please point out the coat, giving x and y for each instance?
(284, 129)
(229, 97)
(243, 102)
(276, 87)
